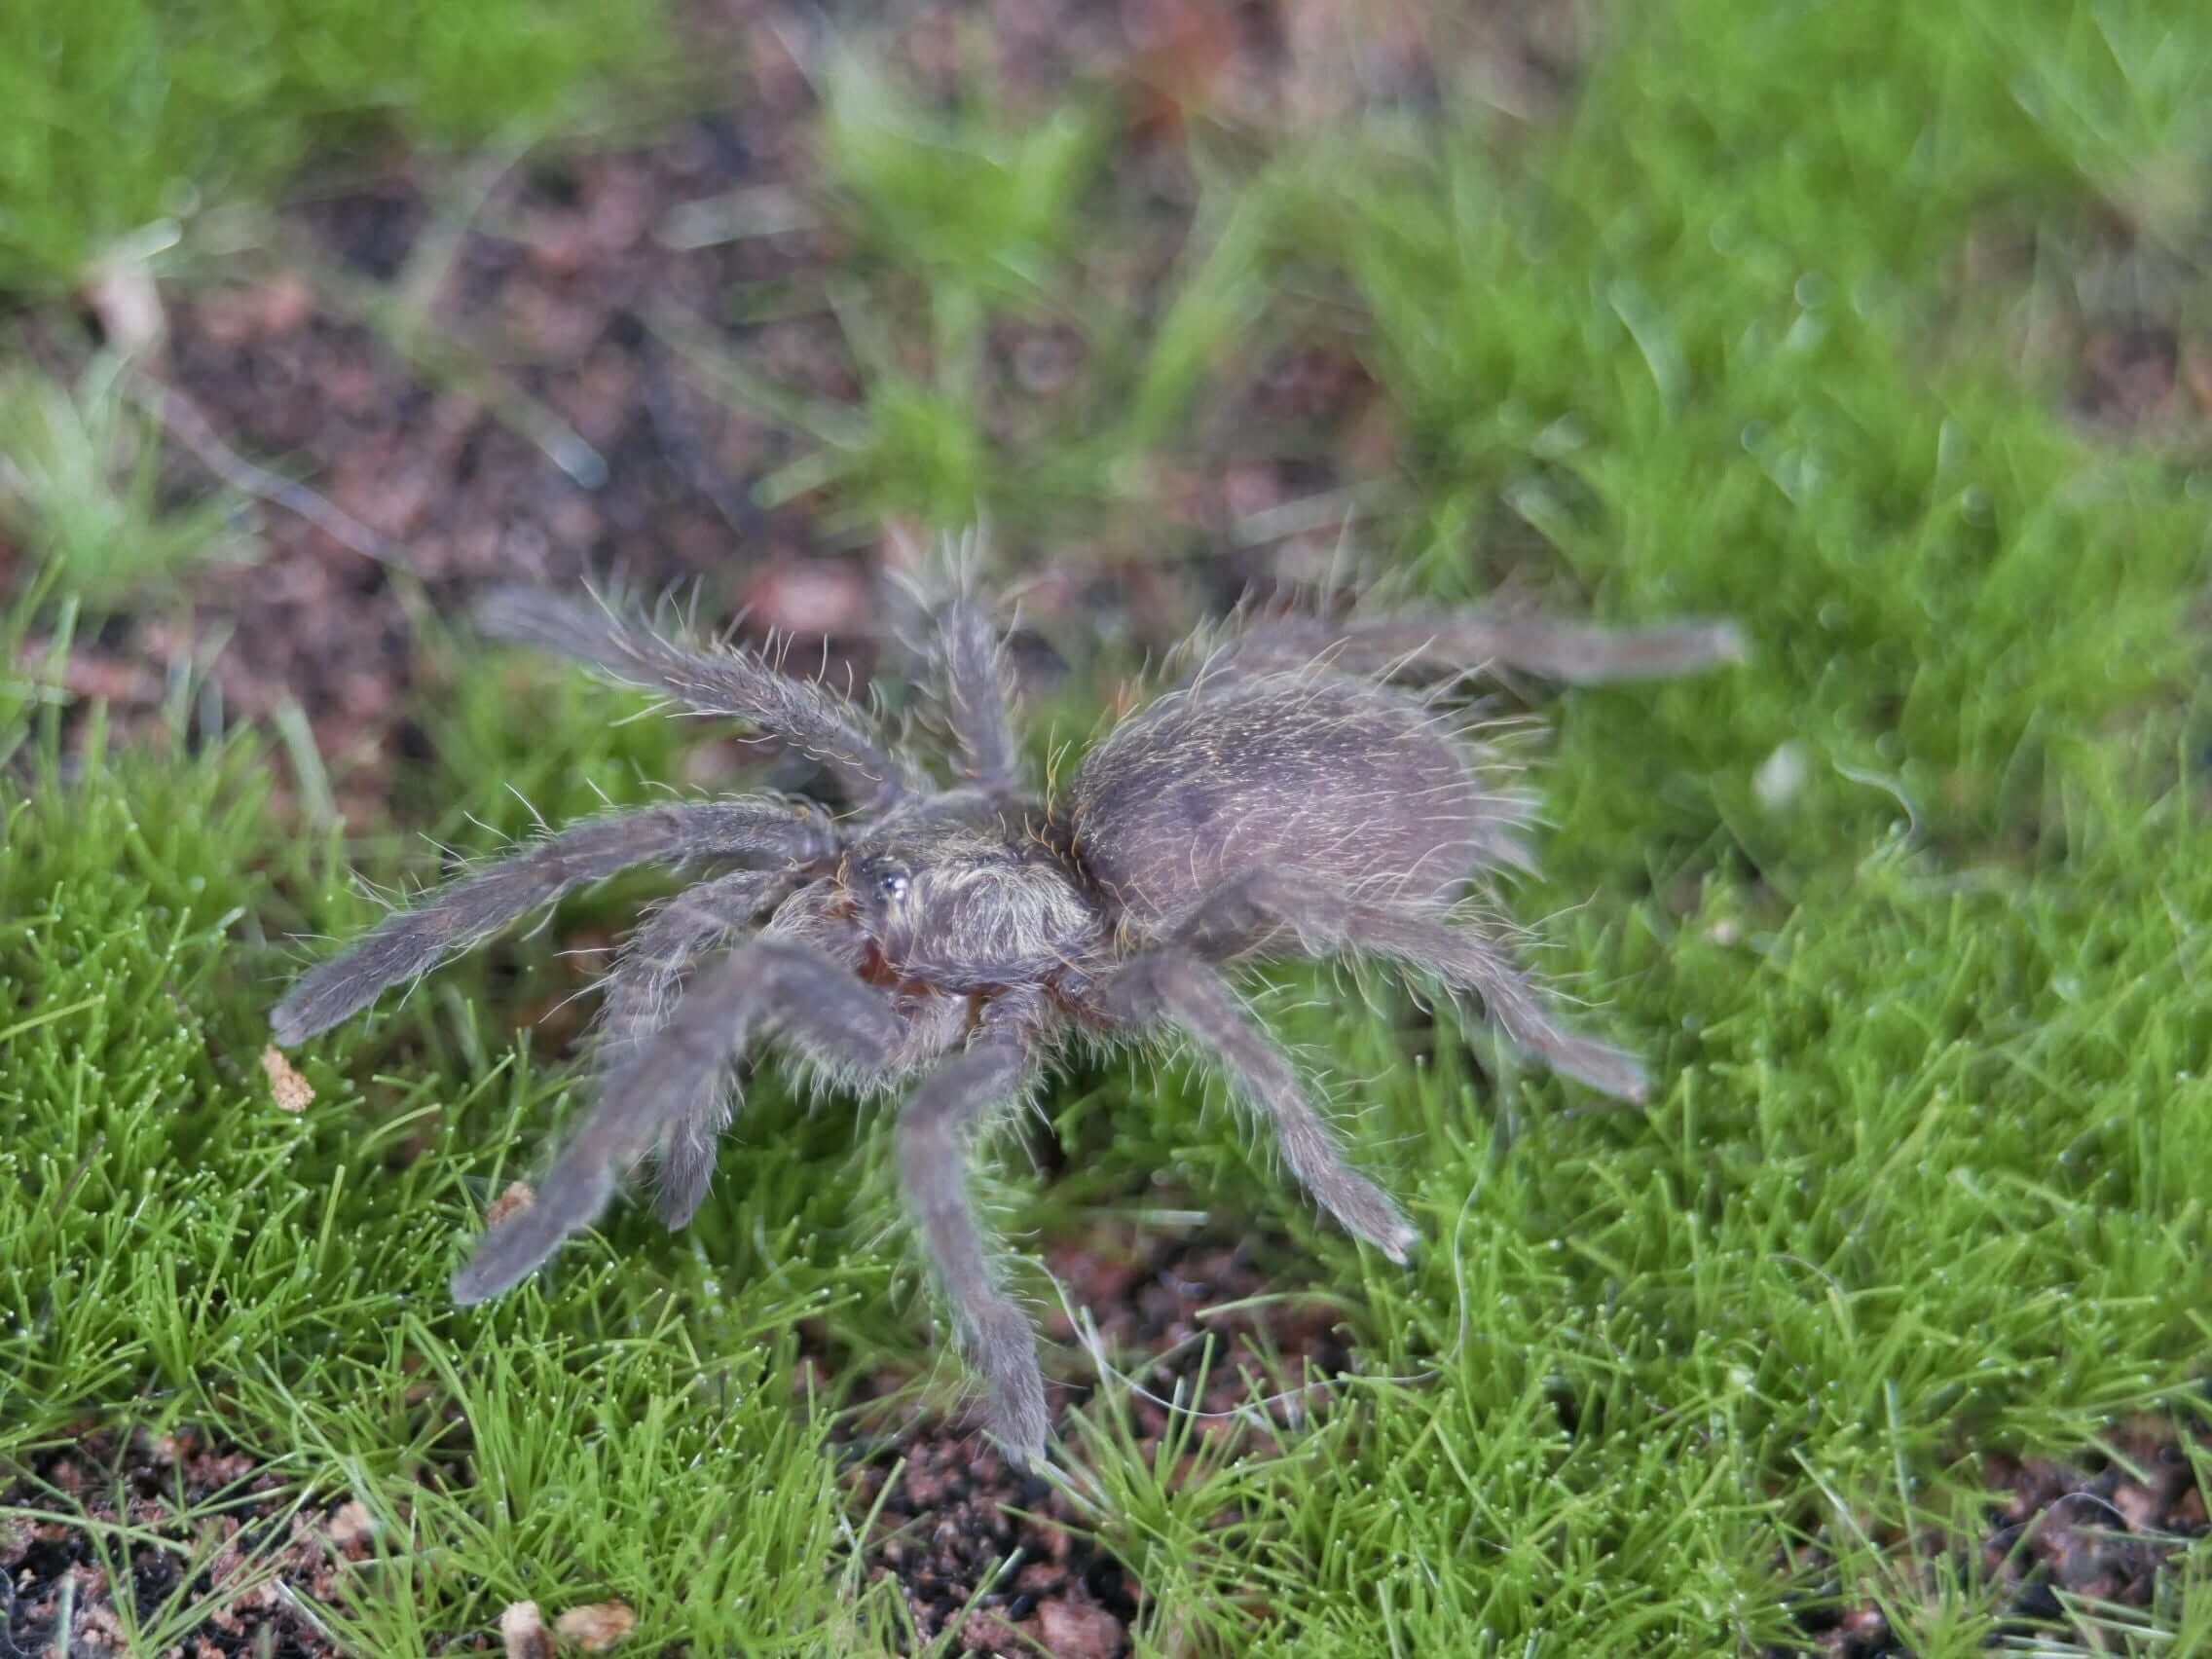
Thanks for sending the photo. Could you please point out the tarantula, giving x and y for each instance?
(1288, 798)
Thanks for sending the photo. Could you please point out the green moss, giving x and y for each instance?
(117, 120)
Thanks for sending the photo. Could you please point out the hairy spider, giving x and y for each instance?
(1287, 800)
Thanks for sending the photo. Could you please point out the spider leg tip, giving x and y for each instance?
(290, 1024)
(1608, 1070)
(1633, 1085)
(481, 1279)
(678, 1208)
(1022, 1439)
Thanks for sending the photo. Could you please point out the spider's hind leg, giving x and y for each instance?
(1458, 643)
(1462, 954)
(1174, 986)
(1469, 960)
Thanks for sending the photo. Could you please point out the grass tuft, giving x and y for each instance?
(81, 486)
(124, 120)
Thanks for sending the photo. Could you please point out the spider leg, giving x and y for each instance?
(721, 680)
(1458, 953)
(979, 694)
(1464, 959)
(1174, 985)
(797, 985)
(934, 1129)
(467, 911)
(641, 997)
(1471, 641)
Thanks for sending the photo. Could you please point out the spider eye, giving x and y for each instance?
(891, 884)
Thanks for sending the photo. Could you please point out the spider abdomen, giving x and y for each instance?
(1315, 775)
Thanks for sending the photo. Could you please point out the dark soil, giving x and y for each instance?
(2109, 312)
(957, 1511)
(2103, 1529)
(542, 289)
(464, 499)
(242, 1540)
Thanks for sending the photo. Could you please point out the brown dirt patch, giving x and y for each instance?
(2109, 312)
(957, 1511)
(536, 282)
(239, 1537)
(2102, 1530)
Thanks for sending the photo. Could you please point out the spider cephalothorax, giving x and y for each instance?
(1288, 799)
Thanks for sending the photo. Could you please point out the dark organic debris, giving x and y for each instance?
(236, 1540)
(2101, 1531)
(957, 1512)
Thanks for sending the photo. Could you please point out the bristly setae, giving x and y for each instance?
(1289, 798)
